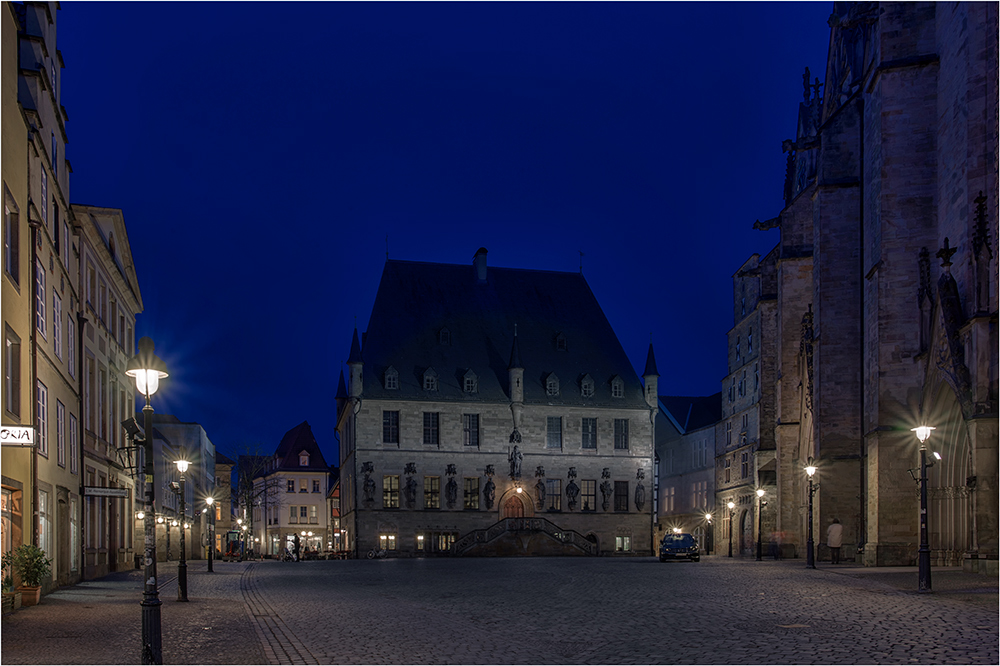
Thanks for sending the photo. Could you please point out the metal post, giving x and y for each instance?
(211, 536)
(182, 567)
(166, 524)
(810, 554)
(924, 553)
(730, 533)
(152, 650)
(759, 523)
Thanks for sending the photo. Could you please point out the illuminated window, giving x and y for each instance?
(553, 494)
(471, 493)
(623, 544)
(291, 485)
(588, 495)
(387, 541)
(303, 459)
(390, 491)
(432, 492)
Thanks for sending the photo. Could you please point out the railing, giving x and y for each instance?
(508, 525)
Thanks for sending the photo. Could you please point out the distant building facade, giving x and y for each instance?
(224, 505)
(493, 412)
(886, 277)
(685, 454)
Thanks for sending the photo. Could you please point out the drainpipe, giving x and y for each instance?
(81, 323)
(34, 224)
(862, 444)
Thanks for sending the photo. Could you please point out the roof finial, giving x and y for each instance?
(945, 255)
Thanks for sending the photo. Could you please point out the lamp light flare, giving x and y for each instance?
(210, 500)
(182, 465)
(810, 470)
(731, 506)
(923, 432)
(760, 492)
(140, 515)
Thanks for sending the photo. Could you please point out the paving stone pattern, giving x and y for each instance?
(524, 610)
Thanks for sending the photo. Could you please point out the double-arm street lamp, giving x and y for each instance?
(182, 574)
(731, 506)
(760, 505)
(148, 370)
(810, 555)
(211, 530)
(924, 552)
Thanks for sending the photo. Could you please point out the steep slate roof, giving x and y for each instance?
(690, 413)
(298, 439)
(416, 300)
(222, 459)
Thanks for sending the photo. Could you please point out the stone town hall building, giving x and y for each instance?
(493, 412)
(878, 307)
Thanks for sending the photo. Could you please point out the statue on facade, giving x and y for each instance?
(607, 490)
(490, 489)
(410, 492)
(368, 486)
(514, 459)
(451, 492)
(640, 490)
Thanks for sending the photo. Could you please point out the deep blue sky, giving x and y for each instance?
(262, 152)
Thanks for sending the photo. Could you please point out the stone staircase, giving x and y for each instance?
(561, 541)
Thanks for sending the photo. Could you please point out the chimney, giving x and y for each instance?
(479, 263)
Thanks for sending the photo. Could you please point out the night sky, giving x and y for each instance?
(262, 153)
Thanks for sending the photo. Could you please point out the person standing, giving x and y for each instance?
(834, 540)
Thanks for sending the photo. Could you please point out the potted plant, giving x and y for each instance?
(31, 566)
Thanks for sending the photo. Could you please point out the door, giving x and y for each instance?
(512, 508)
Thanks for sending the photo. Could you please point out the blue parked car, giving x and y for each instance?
(679, 547)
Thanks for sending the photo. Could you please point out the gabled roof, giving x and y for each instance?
(650, 363)
(299, 439)
(222, 459)
(690, 413)
(416, 300)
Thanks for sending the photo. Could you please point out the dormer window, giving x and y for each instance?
(617, 387)
(587, 387)
(444, 337)
(560, 342)
(471, 382)
(552, 385)
(391, 379)
(304, 459)
(430, 380)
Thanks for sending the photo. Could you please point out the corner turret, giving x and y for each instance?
(651, 378)
(355, 364)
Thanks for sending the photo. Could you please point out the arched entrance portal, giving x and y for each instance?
(512, 508)
(746, 533)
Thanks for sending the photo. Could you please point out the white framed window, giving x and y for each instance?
(668, 499)
(60, 433)
(42, 396)
(293, 514)
(57, 340)
(65, 243)
(587, 387)
(617, 387)
(313, 515)
(391, 379)
(430, 380)
(552, 385)
(45, 199)
(11, 244)
(44, 522)
(74, 453)
(471, 382)
(40, 298)
(12, 372)
(304, 459)
(71, 344)
(623, 544)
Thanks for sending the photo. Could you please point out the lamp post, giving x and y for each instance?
(924, 552)
(182, 567)
(731, 506)
(148, 370)
(211, 530)
(810, 552)
(760, 505)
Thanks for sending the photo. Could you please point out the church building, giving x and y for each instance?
(493, 411)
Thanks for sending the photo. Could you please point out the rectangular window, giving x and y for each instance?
(621, 495)
(290, 485)
(470, 429)
(74, 452)
(669, 465)
(89, 389)
(390, 491)
(315, 485)
(303, 514)
(553, 494)
(668, 500)
(65, 234)
(91, 284)
(588, 495)
(40, 298)
(57, 341)
(43, 419)
(12, 373)
(44, 523)
(621, 433)
(729, 433)
(390, 427)
(71, 344)
(55, 228)
(623, 544)
(45, 200)
(728, 464)
(60, 434)
(102, 300)
(430, 427)
(589, 437)
(11, 244)
(101, 402)
(387, 541)
(432, 492)
(553, 432)
(74, 535)
(471, 493)
(744, 465)
(303, 486)
(313, 515)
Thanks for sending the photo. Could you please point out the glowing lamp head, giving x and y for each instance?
(140, 515)
(519, 490)
(708, 517)
(182, 465)
(173, 523)
(239, 521)
(677, 530)
(731, 505)
(760, 492)
(187, 526)
(146, 367)
(810, 470)
(923, 432)
(159, 519)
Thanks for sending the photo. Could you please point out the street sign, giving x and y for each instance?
(98, 491)
(17, 436)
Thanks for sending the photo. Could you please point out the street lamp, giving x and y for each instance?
(148, 370)
(924, 552)
(810, 555)
(182, 567)
(731, 506)
(760, 505)
(211, 531)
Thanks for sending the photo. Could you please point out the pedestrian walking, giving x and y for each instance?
(834, 540)
(295, 547)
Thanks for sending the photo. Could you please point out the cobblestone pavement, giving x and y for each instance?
(518, 611)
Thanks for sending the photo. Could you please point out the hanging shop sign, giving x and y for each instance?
(17, 436)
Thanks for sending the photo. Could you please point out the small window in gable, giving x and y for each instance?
(430, 380)
(552, 384)
(391, 378)
(303, 459)
(617, 387)
(560, 342)
(587, 387)
(444, 337)
(471, 382)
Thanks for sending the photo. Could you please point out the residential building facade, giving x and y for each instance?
(224, 505)
(493, 412)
